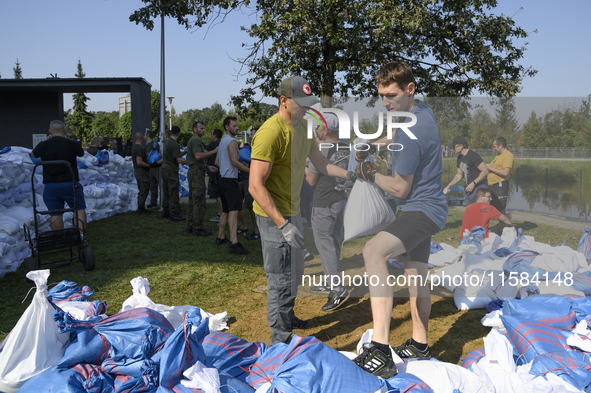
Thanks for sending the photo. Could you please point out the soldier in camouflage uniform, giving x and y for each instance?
(196, 156)
(154, 172)
(172, 157)
(142, 173)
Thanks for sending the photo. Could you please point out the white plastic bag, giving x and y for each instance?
(201, 377)
(34, 345)
(367, 211)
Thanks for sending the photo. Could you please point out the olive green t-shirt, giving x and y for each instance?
(137, 151)
(170, 152)
(195, 145)
(287, 148)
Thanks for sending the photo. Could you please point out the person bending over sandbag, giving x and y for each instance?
(481, 212)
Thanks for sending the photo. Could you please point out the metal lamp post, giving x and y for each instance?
(170, 98)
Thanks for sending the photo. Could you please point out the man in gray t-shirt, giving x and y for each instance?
(227, 161)
(328, 211)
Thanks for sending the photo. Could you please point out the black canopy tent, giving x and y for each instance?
(27, 106)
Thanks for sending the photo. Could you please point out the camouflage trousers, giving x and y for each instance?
(154, 184)
(197, 204)
(142, 176)
(170, 192)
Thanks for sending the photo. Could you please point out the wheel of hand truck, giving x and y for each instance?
(87, 258)
(29, 264)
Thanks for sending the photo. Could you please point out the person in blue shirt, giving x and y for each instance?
(422, 212)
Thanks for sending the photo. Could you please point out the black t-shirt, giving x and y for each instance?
(325, 193)
(211, 159)
(138, 151)
(58, 148)
(468, 165)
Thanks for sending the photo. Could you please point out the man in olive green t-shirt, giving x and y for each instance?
(279, 151)
(196, 156)
(171, 158)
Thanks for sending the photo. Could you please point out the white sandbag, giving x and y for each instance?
(174, 315)
(201, 377)
(21, 214)
(34, 345)
(367, 211)
(9, 225)
(480, 287)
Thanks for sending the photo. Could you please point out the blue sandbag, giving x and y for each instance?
(81, 165)
(581, 307)
(176, 356)
(475, 237)
(231, 354)
(555, 311)
(473, 357)
(581, 281)
(308, 365)
(82, 378)
(119, 341)
(69, 291)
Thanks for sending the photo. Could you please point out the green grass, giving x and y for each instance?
(183, 269)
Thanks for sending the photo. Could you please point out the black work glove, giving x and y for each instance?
(361, 155)
(366, 171)
(154, 165)
(351, 176)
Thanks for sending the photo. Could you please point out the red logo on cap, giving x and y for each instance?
(306, 89)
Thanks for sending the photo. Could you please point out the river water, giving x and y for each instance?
(565, 200)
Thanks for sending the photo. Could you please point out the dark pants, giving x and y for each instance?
(170, 191)
(499, 193)
(154, 184)
(327, 224)
(142, 176)
(284, 267)
(197, 203)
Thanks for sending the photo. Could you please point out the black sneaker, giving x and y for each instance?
(408, 350)
(143, 211)
(240, 231)
(297, 323)
(336, 298)
(219, 242)
(201, 232)
(151, 205)
(308, 256)
(165, 215)
(215, 219)
(176, 218)
(376, 362)
(320, 288)
(237, 248)
(254, 236)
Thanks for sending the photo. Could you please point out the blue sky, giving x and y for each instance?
(50, 36)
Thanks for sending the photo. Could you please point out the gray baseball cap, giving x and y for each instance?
(298, 89)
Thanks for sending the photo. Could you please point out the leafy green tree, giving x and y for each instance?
(18, 72)
(482, 130)
(506, 118)
(452, 115)
(155, 110)
(124, 126)
(533, 132)
(454, 47)
(103, 125)
(583, 124)
(81, 120)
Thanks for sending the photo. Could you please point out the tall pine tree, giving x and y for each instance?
(18, 73)
(81, 120)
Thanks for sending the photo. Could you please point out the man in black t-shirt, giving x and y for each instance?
(59, 185)
(328, 210)
(471, 168)
(213, 173)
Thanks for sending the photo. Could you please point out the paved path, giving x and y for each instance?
(541, 218)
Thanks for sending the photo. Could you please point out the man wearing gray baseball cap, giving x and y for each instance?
(279, 151)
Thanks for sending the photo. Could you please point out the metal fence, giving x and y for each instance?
(541, 152)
